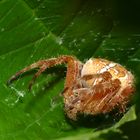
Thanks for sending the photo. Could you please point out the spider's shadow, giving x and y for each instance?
(98, 121)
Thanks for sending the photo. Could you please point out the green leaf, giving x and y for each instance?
(32, 30)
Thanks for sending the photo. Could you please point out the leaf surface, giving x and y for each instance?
(31, 30)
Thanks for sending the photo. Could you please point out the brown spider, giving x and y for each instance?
(96, 87)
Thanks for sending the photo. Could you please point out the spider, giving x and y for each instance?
(95, 87)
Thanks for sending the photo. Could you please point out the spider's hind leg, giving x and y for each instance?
(42, 65)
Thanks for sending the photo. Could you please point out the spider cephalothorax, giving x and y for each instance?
(96, 87)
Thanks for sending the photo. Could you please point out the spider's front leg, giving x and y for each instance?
(72, 70)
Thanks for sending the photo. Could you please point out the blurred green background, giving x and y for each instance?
(31, 30)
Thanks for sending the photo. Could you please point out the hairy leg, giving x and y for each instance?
(73, 66)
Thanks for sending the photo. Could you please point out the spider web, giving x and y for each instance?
(34, 30)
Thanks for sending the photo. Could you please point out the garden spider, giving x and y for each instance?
(95, 87)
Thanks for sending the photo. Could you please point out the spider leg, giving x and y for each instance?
(42, 69)
(72, 70)
(32, 66)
